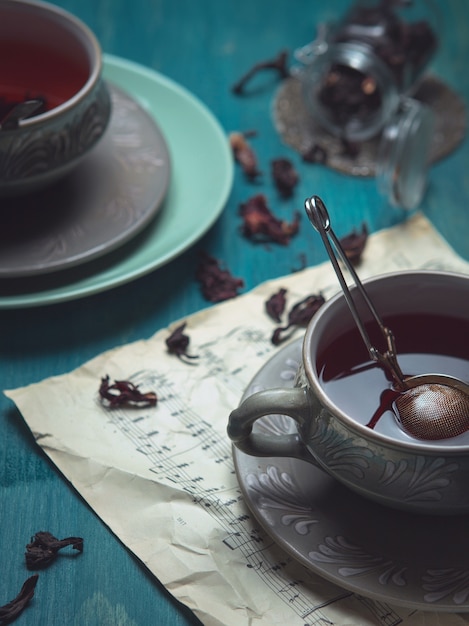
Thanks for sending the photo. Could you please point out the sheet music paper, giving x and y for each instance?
(162, 478)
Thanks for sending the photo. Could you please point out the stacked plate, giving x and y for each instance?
(141, 198)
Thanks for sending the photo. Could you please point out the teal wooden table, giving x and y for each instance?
(204, 46)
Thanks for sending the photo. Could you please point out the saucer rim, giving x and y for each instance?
(115, 237)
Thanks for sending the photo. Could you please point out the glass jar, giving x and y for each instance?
(358, 77)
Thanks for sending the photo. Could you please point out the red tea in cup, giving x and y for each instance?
(362, 389)
(34, 70)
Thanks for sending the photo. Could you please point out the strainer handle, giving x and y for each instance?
(319, 218)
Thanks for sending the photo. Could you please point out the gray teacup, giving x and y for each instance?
(388, 467)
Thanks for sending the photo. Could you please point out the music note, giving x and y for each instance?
(255, 567)
(227, 542)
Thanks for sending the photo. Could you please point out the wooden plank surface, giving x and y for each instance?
(205, 46)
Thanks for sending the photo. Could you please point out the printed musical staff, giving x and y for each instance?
(187, 466)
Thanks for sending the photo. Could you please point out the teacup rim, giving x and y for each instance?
(420, 447)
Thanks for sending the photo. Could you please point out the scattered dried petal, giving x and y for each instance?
(261, 226)
(244, 155)
(278, 64)
(354, 244)
(124, 392)
(44, 548)
(275, 305)
(300, 315)
(178, 343)
(10, 611)
(285, 176)
(217, 284)
(302, 312)
(315, 154)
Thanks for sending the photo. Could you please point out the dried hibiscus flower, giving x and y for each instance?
(177, 343)
(244, 155)
(10, 611)
(44, 548)
(275, 305)
(217, 284)
(261, 226)
(300, 315)
(123, 392)
(354, 244)
(277, 64)
(284, 176)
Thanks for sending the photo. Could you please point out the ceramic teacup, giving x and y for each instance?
(53, 58)
(382, 462)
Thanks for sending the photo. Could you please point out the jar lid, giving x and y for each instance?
(404, 154)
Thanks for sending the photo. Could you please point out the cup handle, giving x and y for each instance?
(298, 403)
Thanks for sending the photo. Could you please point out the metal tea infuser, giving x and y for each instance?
(430, 406)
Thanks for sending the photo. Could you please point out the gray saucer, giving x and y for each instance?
(117, 190)
(404, 559)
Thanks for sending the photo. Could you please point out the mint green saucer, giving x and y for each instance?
(200, 184)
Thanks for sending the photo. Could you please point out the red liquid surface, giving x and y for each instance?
(362, 389)
(31, 70)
